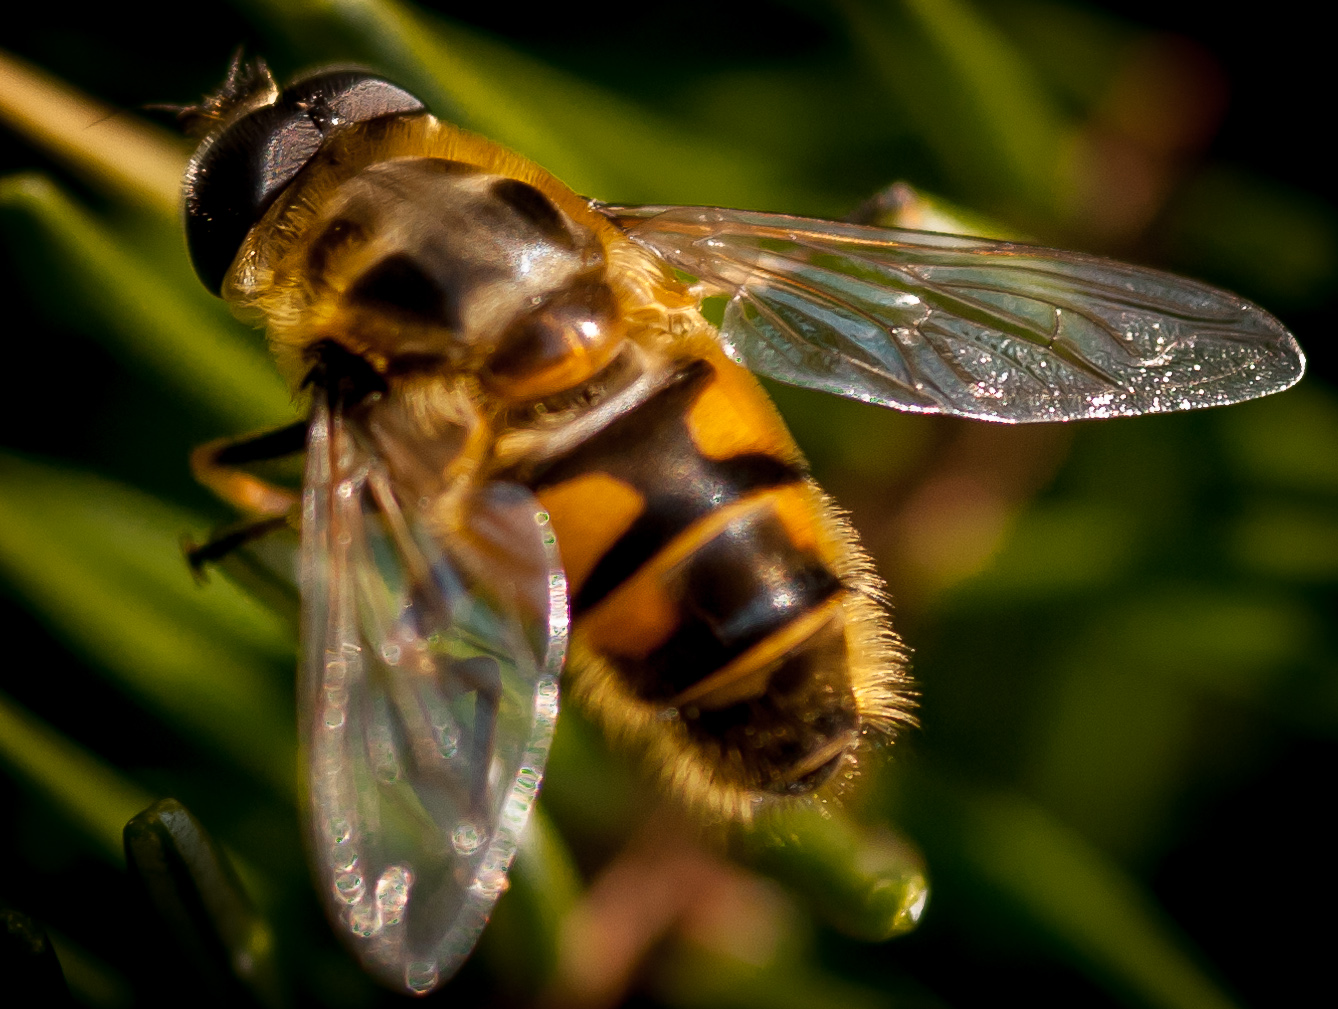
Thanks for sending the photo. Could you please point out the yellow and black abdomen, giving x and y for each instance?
(722, 611)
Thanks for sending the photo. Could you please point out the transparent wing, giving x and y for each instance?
(966, 326)
(427, 703)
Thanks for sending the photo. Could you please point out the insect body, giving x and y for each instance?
(524, 441)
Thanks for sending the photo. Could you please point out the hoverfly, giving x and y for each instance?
(526, 449)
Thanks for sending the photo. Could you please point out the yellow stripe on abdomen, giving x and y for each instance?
(721, 609)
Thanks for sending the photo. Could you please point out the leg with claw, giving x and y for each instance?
(227, 541)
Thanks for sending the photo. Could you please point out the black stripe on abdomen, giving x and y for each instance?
(792, 736)
(733, 591)
(651, 450)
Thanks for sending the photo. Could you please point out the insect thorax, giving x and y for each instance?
(423, 249)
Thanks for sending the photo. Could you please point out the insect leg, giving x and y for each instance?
(227, 541)
(217, 466)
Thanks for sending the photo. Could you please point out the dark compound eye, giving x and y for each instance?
(334, 97)
(236, 174)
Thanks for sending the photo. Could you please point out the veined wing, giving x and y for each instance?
(966, 326)
(427, 703)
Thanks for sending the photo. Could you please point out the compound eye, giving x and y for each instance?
(238, 172)
(335, 97)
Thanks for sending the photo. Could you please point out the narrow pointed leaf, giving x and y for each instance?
(194, 890)
(1023, 125)
(694, 978)
(93, 982)
(523, 938)
(971, 96)
(29, 970)
(1055, 884)
(596, 141)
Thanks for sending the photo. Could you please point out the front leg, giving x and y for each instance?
(269, 507)
(217, 466)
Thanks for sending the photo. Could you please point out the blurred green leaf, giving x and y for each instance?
(1256, 236)
(102, 565)
(693, 978)
(228, 948)
(588, 791)
(183, 339)
(1011, 106)
(1054, 550)
(901, 205)
(93, 796)
(523, 938)
(1110, 750)
(868, 883)
(1233, 642)
(92, 981)
(123, 155)
(29, 969)
(1288, 541)
(1075, 49)
(972, 96)
(1288, 442)
(1068, 891)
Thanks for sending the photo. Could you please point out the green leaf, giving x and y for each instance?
(93, 796)
(1052, 882)
(28, 964)
(1289, 541)
(121, 154)
(868, 883)
(972, 96)
(102, 565)
(180, 337)
(689, 977)
(205, 913)
(92, 981)
(1076, 49)
(901, 205)
(1023, 126)
(1053, 551)
(1289, 442)
(1110, 749)
(1257, 236)
(523, 939)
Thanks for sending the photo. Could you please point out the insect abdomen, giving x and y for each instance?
(710, 577)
